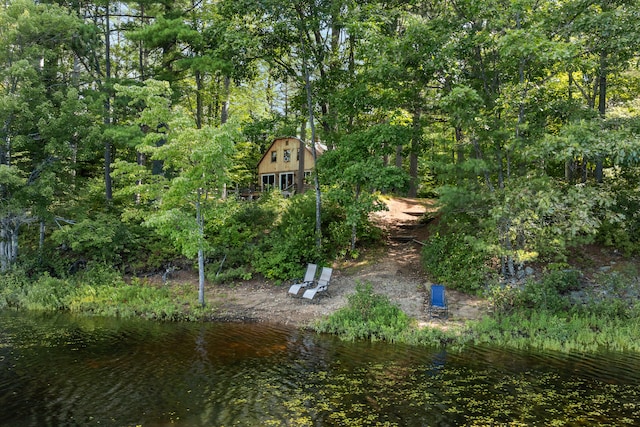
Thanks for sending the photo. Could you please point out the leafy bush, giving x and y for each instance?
(549, 294)
(226, 275)
(13, 285)
(453, 261)
(562, 281)
(99, 274)
(621, 222)
(102, 238)
(107, 239)
(543, 296)
(367, 316)
(238, 228)
(48, 293)
(503, 299)
(45, 293)
(291, 243)
(126, 301)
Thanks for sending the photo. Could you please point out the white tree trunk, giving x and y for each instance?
(9, 226)
(200, 222)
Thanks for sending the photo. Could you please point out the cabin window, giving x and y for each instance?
(274, 156)
(287, 155)
(286, 181)
(298, 155)
(268, 181)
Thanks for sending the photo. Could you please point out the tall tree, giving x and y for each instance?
(198, 156)
(44, 117)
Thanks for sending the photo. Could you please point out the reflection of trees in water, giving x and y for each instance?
(238, 374)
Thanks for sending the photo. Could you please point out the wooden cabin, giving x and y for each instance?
(279, 165)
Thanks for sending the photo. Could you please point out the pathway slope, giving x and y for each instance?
(395, 270)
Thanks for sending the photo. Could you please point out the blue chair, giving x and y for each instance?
(438, 303)
(308, 280)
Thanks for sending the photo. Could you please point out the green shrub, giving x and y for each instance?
(226, 275)
(291, 243)
(44, 293)
(567, 332)
(105, 238)
(547, 294)
(453, 261)
(238, 228)
(102, 238)
(367, 316)
(503, 299)
(620, 226)
(48, 293)
(13, 288)
(98, 274)
(562, 281)
(543, 296)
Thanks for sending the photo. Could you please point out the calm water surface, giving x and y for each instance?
(63, 370)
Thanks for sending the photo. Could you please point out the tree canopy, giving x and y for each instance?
(521, 117)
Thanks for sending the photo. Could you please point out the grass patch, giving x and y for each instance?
(538, 317)
(367, 316)
(100, 290)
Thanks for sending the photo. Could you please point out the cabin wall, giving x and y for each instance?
(281, 164)
(282, 159)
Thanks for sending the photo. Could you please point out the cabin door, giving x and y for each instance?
(286, 181)
(268, 181)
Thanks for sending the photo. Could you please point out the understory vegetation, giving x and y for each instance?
(367, 316)
(101, 291)
(272, 238)
(549, 315)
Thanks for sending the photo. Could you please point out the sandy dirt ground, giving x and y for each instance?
(394, 270)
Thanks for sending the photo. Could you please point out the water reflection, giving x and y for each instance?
(65, 370)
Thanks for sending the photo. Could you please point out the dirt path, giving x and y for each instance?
(395, 271)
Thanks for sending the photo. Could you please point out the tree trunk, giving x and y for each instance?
(224, 114)
(459, 145)
(200, 222)
(199, 111)
(354, 227)
(107, 107)
(399, 156)
(312, 126)
(301, 150)
(9, 227)
(413, 156)
(602, 110)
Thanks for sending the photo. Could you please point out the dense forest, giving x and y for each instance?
(128, 127)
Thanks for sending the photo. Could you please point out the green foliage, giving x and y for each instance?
(102, 239)
(215, 273)
(98, 290)
(539, 216)
(367, 316)
(47, 293)
(562, 281)
(534, 218)
(106, 238)
(291, 243)
(236, 232)
(452, 260)
(541, 315)
(13, 285)
(543, 296)
(125, 300)
(548, 294)
(549, 331)
(621, 227)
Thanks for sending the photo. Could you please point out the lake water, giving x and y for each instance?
(62, 370)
